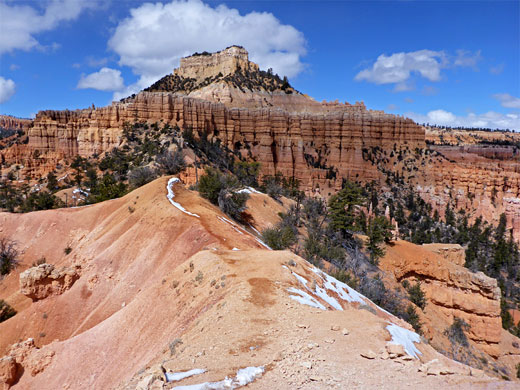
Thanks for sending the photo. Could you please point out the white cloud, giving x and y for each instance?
(154, 37)
(7, 89)
(398, 67)
(105, 79)
(14, 67)
(497, 69)
(508, 101)
(491, 119)
(20, 23)
(465, 58)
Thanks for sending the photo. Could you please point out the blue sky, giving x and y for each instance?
(453, 62)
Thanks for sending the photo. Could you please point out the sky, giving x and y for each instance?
(454, 63)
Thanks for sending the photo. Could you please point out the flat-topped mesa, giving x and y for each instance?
(200, 66)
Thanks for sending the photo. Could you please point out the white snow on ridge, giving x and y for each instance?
(243, 377)
(248, 190)
(235, 228)
(305, 299)
(332, 284)
(406, 338)
(171, 195)
(177, 376)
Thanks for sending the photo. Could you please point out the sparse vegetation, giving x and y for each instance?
(67, 250)
(8, 255)
(6, 311)
(140, 176)
(456, 332)
(171, 163)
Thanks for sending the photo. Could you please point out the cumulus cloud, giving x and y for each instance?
(397, 68)
(154, 37)
(106, 79)
(491, 119)
(7, 89)
(508, 101)
(466, 58)
(20, 23)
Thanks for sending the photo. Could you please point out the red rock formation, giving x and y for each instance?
(451, 291)
(43, 280)
(280, 140)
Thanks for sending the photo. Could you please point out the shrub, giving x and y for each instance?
(210, 185)
(518, 370)
(232, 203)
(42, 200)
(412, 318)
(379, 231)
(279, 238)
(247, 172)
(8, 256)
(140, 176)
(172, 162)
(6, 311)
(455, 332)
(272, 187)
(417, 295)
(67, 250)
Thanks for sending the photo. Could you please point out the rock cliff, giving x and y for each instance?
(307, 146)
(451, 291)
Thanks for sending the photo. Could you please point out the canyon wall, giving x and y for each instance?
(291, 143)
(451, 290)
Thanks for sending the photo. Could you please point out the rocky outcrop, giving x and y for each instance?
(304, 146)
(454, 253)
(9, 122)
(23, 357)
(451, 291)
(43, 280)
(203, 65)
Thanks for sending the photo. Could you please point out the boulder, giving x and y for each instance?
(43, 280)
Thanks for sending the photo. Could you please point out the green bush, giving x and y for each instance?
(232, 203)
(6, 311)
(8, 256)
(412, 318)
(247, 172)
(210, 185)
(279, 238)
(417, 295)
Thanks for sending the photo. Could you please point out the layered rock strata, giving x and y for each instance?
(451, 291)
(304, 146)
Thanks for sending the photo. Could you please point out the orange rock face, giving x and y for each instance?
(298, 145)
(451, 291)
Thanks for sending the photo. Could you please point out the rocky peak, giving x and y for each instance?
(218, 73)
(200, 66)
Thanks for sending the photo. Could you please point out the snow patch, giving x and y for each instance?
(343, 290)
(248, 190)
(322, 293)
(177, 376)
(235, 249)
(235, 228)
(243, 377)
(171, 195)
(406, 338)
(301, 279)
(304, 298)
